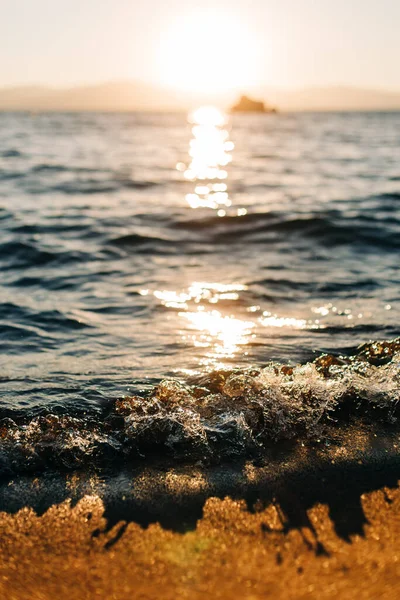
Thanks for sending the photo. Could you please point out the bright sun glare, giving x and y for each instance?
(208, 52)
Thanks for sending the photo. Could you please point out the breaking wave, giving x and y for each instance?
(225, 414)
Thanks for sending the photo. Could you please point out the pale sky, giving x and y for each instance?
(290, 43)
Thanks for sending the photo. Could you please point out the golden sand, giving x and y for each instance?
(68, 553)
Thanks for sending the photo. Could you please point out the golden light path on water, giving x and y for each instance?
(215, 316)
(214, 326)
(218, 318)
(221, 334)
(210, 152)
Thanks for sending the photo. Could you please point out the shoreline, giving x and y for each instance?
(299, 526)
(362, 460)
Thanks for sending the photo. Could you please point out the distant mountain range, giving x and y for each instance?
(335, 98)
(128, 95)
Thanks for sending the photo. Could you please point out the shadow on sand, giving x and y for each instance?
(292, 477)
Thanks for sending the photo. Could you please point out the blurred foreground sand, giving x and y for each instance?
(233, 553)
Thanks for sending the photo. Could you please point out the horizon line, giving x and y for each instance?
(305, 86)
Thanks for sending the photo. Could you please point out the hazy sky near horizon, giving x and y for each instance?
(290, 43)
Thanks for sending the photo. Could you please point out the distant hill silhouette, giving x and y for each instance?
(334, 98)
(114, 96)
(128, 95)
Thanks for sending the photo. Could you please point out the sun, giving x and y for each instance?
(208, 52)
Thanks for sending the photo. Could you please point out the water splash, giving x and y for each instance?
(224, 414)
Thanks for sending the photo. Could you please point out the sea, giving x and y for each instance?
(193, 284)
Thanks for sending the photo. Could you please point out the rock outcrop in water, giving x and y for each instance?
(248, 105)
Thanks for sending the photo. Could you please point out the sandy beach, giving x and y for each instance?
(69, 553)
(311, 523)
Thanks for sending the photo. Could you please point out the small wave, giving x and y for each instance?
(325, 288)
(105, 182)
(5, 214)
(134, 240)
(39, 328)
(44, 168)
(10, 153)
(22, 254)
(265, 227)
(13, 332)
(81, 230)
(224, 414)
(10, 175)
(59, 168)
(77, 186)
(390, 195)
(215, 222)
(135, 184)
(329, 287)
(89, 186)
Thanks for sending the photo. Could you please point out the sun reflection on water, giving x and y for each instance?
(209, 116)
(269, 320)
(222, 335)
(222, 324)
(210, 152)
(218, 320)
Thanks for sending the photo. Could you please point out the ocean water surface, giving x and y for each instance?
(139, 247)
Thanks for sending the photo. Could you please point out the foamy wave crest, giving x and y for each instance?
(224, 414)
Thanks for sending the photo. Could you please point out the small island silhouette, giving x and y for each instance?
(247, 104)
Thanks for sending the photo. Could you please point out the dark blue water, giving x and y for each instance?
(136, 247)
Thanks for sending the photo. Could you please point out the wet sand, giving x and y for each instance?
(309, 523)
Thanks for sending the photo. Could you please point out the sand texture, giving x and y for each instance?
(68, 552)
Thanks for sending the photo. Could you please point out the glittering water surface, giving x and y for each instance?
(135, 246)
